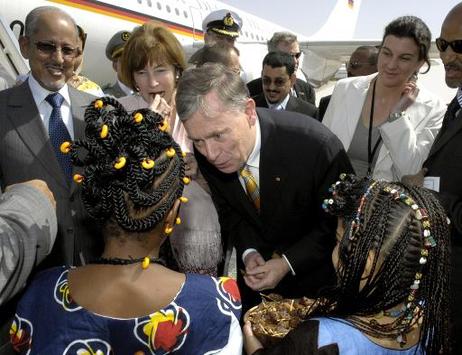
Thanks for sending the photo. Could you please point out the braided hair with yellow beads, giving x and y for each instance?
(133, 170)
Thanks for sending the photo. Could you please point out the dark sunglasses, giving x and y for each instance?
(50, 48)
(277, 82)
(356, 65)
(442, 45)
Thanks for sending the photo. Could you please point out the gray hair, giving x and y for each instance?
(280, 37)
(33, 17)
(196, 83)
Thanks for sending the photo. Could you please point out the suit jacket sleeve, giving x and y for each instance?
(28, 229)
(331, 162)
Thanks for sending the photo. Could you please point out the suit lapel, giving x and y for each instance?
(272, 176)
(24, 116)
(445, 134)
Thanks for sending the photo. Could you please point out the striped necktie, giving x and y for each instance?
(58, 133)
(251, 186)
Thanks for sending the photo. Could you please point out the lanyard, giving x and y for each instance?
(371, 151)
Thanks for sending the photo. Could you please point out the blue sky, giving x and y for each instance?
(306, 16)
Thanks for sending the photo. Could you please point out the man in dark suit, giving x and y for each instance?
(278, 77)
(35, 118)
(442, 171)
(287, 43)
(268, 172)
(363, 61)
(114, 51)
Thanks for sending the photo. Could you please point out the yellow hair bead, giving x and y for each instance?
(168, 230)
(148, 163)
(99, 104)
(171, 152)
(183, 199)
(164, 126)
(104, 131)
(120, 163)
(78, 178)
(177, 220)
(183, 154)
(138, 117)
(65, 147)
(145, 263)
(186, 180)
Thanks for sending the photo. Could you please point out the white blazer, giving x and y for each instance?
(406, 141)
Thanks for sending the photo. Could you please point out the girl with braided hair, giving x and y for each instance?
(151, 64)
(392, 263)
(127, 302)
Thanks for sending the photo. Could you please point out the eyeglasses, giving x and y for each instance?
(47, 48)
(277, 82)
(296, 55)
(356, 65)
(442, 45)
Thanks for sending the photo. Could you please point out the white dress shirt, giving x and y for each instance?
(279, 105)
(39, 94)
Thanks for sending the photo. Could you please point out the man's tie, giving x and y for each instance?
(251, 186)
(58, 133)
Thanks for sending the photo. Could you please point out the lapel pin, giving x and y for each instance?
(277, 178)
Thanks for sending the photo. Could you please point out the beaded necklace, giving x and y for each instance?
(145, 261)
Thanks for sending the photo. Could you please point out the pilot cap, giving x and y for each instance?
(224, 22)
(116, 44)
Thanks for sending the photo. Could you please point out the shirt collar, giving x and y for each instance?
(40, 93)
(279, 105)
(254, 157)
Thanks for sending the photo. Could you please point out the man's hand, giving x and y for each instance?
(267, 276)
(251, 343)
(39, 185)
(252, 261)
(415, 180)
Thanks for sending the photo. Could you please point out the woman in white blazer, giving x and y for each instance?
(404, 119)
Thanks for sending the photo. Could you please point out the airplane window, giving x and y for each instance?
(177, 12)
(139, 1)
(159, 6)
(185, 14)
(246, 34)
(251, 35)
(149, 3)
(168, 9)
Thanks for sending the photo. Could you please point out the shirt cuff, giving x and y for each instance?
(247, 252)
(288, 263)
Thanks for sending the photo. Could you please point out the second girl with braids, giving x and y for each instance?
(127, 302)
(392, 263)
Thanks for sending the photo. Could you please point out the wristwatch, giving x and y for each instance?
(395, 115)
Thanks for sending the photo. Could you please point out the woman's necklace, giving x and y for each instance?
(145, 261)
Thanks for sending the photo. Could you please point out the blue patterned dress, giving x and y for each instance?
(203, 318)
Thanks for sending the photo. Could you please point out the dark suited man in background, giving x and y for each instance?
(268, 172)
(363, 61)
(114, 50)
(278, 78)
(442, 171)
(287, 42)
(36, 117)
